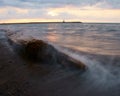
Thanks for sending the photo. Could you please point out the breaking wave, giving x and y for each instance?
(102, 75)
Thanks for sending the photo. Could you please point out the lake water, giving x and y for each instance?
(95, 44)
(93, 38)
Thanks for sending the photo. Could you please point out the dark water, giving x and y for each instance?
(97, 45)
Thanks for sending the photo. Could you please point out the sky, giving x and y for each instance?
(14, 11)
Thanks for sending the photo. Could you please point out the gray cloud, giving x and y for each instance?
(55, 3)
(14, 9)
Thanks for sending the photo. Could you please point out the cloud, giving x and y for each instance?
(79, 10)
(56, 3)
(87, 13)
(20, 13)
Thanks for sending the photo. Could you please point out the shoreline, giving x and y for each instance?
(58, 23)
(36, 23)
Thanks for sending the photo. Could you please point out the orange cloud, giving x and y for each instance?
(85, 14)
(18, 10)
(29, 20)
(89, 13)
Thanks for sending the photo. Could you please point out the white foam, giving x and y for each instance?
(97, 74)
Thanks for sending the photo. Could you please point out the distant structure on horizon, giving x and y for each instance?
(71, 21)
(63, 21)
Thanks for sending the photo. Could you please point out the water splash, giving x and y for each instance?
(98, 75)
(92, 64)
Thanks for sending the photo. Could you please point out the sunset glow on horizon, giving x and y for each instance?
(22, 11)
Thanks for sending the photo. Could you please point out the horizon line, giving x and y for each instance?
(52, 22)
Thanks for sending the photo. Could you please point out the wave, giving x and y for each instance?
(40, 51)
(44, 52)
(101, 77)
